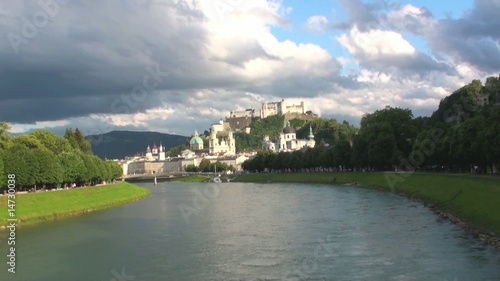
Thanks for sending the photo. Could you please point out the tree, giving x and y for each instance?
(204, 165)
(3, 176)
(93, 168)
(342, 153)
(28, 141)
(83, 144)
(73, 167)
(5, 140)
(22, 162)
(191, 168)
(115, 169)
(50, 170)
(51, 141)
(70, 136)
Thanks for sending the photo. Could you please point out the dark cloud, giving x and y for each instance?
(418, 64)
(473, 38)
(75, 66)
(365, 16)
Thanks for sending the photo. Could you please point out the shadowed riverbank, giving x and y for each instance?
(470, 201)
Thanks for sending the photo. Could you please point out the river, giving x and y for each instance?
(240, 231)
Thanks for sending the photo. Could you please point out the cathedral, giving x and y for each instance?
(287, 140)
(196, 143)
(155, 153)
(221, 141)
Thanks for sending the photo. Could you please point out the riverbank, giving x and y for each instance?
(33, 208)
(192, 178)
(472, 202)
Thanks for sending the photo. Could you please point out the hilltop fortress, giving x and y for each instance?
(241, 120)
(270, 109)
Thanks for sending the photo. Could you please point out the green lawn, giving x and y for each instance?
(194, 178)
(473, 199)
(43, 206)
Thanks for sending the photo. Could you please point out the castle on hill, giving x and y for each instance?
(269, 109)
(241, 120)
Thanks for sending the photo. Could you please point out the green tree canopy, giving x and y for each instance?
(22, 162)
(3, 175)
(5, 140)
(115, 169)
(50, 170)
(74, 169)
(51, 141)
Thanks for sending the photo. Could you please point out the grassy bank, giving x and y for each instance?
(194, 178)
(39, 207)
(474, 200)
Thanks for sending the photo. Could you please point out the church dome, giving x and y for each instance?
(289, 130)
(196, 140)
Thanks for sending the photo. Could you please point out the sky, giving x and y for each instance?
(174, 66)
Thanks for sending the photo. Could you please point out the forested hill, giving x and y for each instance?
(326, 131)
(463, 103)
(463, 135)
(119, 144)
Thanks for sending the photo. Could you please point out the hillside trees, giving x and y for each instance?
(5, 140)
(42, 158)
(3, 175)
(115, 170)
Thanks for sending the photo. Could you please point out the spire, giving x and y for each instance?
(195, 133)
(311, 135)
(161, 147)
(154, 146)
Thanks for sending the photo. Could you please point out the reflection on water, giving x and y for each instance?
(239, 231)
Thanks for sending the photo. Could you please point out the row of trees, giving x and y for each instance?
(336, 157)
(41, 158)
(462, 135)
(207, 166)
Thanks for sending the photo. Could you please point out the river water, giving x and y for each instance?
(236, 231)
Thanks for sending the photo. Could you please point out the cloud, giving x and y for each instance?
(363, 15)
(171, 66)
(316, 24)
(74, 67)
(474, 38)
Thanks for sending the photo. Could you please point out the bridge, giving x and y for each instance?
(164, 176)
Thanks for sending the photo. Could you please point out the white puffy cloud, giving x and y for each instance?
(374, 44)
(316, 24)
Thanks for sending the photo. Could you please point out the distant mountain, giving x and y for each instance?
(119, 144)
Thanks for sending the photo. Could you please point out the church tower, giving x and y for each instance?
(149, 155)
(311, 142)
(213, 141)
(231, 143)
(161, 155)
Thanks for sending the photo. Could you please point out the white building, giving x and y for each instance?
(287, 140)
(221, 141)
(280, 108)
(155, 153)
